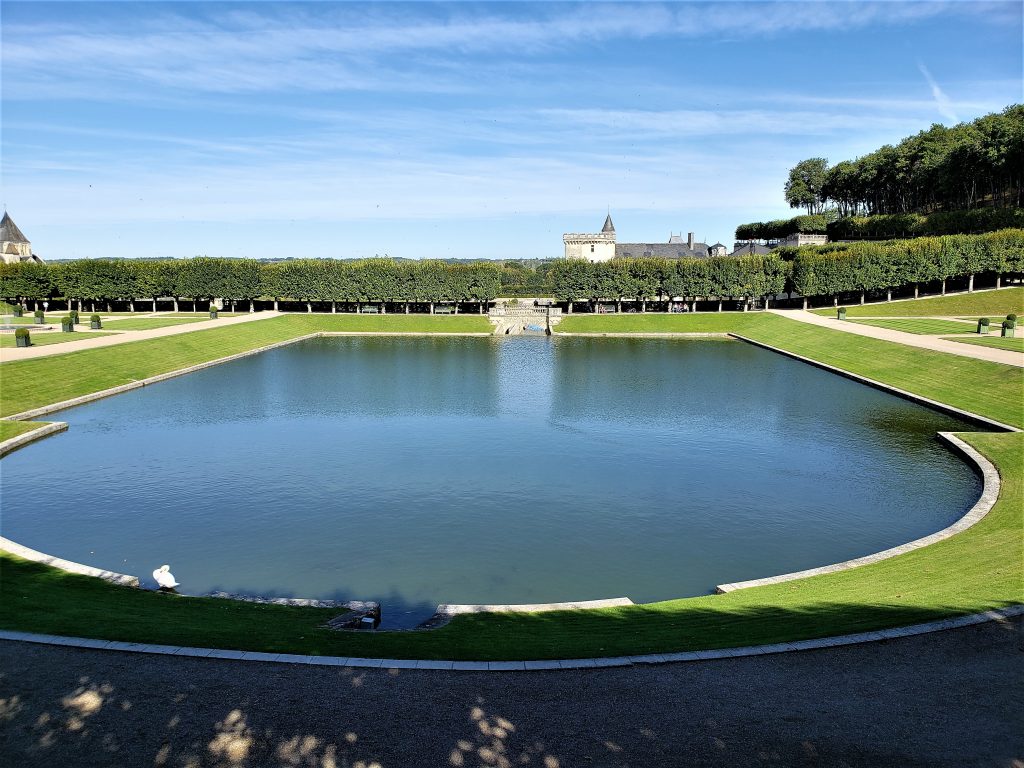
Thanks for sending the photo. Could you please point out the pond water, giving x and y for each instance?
(468, 470)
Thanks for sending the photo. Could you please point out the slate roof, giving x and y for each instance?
(9, 232)
(608, 226)
(677, 250)
(751, 248)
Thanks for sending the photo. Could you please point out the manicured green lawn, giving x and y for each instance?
(149, 323)
(980, 303)
(9, 429)
(49, 337)
(1014, 344)
(27, 384)
(696, 322)
(924, 326)
(976, 570)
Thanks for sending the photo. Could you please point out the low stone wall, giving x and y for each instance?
(31, 436)
(6, 545)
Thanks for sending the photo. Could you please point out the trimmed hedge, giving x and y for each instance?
(904, 225)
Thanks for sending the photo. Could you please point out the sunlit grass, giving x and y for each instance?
(995, 302)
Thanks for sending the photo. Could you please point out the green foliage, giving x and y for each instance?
(804, 187)
(21, 333)
(26, 280)
(94, 318)
(836, 268)
(816, 224)
(901, 225)
(974, 164)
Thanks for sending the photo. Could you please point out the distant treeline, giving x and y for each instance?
(812, 271)
(942, 169)
(885, 226)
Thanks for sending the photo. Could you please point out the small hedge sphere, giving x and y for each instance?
(21, 333)
(94, 318)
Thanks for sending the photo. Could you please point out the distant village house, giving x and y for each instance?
(14, 246)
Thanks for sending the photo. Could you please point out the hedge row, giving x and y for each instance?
(903, 225)
(815, 224)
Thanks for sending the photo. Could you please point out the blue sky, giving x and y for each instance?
(459, 130)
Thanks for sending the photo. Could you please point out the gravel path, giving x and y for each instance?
(25, 353)
(993, 354)
(949, 699)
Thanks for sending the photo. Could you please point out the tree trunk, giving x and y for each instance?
(999, 281)
(943, 286)
(334, 307)
(383, 307)
(275, 305)
(917, 290)
(970, 283)
(862, 297)
(131, 306)
(232, 306)
(570, 308)
(431, 307)
(835, 301)
(643, 305)
(805, 303)
(252, 305)
(407, 307)
(456, 307)
(618, 307)
(888, 294)
(481, 307)
(309, 307)
(719, 305)
(109, 310)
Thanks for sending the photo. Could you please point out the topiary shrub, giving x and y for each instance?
(73, 314)
(22, 338)
(1012, 319)
(67, 325)
(40, 316)
(94, 322)
(18, 311)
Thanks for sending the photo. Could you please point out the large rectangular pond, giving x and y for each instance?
(424, 470)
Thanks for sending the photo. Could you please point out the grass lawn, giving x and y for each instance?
(695, 322)
(923, 326)
(977, 570)
(49, 337)
(981, 303)
(9, 429)
(1014, 343)
(28, 384)
(149, 323)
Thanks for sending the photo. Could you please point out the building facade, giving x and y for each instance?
(601, 246)
(14, 246)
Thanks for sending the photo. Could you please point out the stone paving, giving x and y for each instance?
(27, 353)
(1005, 356)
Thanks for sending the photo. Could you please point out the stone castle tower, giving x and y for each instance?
(592, 247)
(14, 246)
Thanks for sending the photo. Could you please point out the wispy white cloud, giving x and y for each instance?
(942, 102)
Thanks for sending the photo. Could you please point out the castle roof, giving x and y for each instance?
(9, 232)
(748, 249)
(674, 250)
(608, 226)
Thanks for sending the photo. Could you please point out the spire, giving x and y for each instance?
(608, 226)
(9, 232)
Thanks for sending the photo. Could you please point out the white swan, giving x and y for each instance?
(164, 577)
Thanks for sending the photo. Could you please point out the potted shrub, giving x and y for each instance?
(67, 325)
(841, 313)
(21, 338)
(94, 322)
(213, 311)
(17, 310)
(1012, 320)
(983, 325)
(73, 314)
(40, 317)
(1008, 328)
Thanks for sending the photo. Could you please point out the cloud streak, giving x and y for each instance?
(943, 103)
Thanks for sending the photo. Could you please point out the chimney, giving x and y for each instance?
(689, 240)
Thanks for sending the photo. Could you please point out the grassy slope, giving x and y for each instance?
(52, 337)
(995, 303)
(919, 586)
(30, 384)
(702, 322)
(149, 323)
(924, 326)
(1013, 343)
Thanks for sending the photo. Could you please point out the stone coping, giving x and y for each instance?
(989, 495)
(452, 609)
(643, 335)
(937, 405)
(14, 443)
(66, 565)
(523, 666)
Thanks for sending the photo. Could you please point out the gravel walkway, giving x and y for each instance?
(1005, 356)
(26, 353)
(949, 699)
